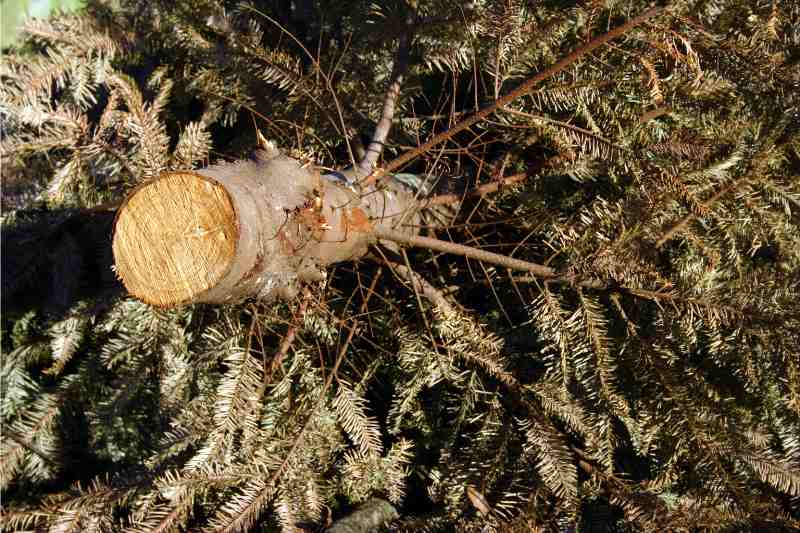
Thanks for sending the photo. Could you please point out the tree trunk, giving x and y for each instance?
(254, 228)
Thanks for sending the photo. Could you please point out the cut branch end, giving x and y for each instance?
(175, 238)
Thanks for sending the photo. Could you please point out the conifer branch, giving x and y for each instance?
(511, 263)
(522, 90)
(320, 71)
(20, 440)
(704, 389)
(759, 162)
(492, 186)
(286, 343)
(264, 493)
(689, 217)
(549, 274)
(384, 125)
(434, 295)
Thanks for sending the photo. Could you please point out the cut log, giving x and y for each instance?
(175, 238)
(254, 228)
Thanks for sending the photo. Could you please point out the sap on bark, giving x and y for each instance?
(253, 228)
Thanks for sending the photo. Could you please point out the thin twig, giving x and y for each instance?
(523, 89)
(291, 334)
(654, 113)
(684, 221)
(540, 271)
(549, 274)
(327, 78)
(561, 124)
(417, 281)
(486, 188)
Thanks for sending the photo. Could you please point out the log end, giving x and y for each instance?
(175, 238)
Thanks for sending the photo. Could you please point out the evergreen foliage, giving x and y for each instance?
(665, 166)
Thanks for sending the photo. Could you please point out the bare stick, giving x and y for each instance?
(486, 188)
(540, 271)
(523, 89)
(384, 125)
(549, 274)
(291, 333)
(431, 293)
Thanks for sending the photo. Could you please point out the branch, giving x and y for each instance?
(540, 271)
(549, 274)
(492, 186)
(431, 293)
(522, 90)
(384, 125)
(369, 516)
(264, 494)
(291, 333)
(654, 113)
(25, 443)
(319, 70)
(758, 163)
(561, 124)
(683, 222)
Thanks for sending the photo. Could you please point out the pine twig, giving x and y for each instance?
(549, 274)
(288, 340)
(683, 222)
(522, 90)
(486, 188)
(647, 116)
(25, 443)
(417, 281)
(562, 124)
(540, 271)
(320, 71)
(759, 161)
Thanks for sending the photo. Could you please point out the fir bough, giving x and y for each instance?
(664, 168)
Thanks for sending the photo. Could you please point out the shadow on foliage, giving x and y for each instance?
(53, 259)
